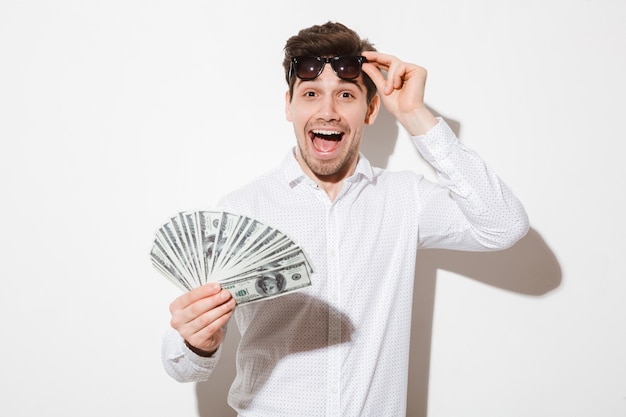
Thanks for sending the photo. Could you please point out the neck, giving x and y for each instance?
(332, 183)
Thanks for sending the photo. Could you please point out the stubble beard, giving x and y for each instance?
(325, 169)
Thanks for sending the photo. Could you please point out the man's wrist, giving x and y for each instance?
(201, 352)
(419, 122)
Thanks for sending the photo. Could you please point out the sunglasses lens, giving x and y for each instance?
(307, 67)
(310, 67)
(347, 67)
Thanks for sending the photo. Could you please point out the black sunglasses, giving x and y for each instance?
(308, 68)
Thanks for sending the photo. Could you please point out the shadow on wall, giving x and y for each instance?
(529, 268)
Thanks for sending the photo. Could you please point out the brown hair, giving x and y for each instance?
(327, 40)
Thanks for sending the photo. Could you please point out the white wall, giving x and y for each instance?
(116, 114)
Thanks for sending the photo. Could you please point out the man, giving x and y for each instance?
(340, 347)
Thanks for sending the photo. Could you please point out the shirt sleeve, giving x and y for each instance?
(470, 208)
(181, 363)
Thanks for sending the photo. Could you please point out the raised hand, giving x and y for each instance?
(401, 91)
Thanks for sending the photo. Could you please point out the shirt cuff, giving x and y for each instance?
(437, 143)
(207, 362)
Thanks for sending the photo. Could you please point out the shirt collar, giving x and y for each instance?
(294, 174)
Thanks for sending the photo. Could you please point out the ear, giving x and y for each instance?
(372, 111)
(288, 107)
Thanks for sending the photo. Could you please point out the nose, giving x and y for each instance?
(328, 109)
(328, 105)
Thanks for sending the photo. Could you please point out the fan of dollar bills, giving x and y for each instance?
(252, 260)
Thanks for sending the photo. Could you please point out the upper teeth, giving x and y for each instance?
(326, 132)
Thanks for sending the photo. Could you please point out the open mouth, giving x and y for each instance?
(325, 141)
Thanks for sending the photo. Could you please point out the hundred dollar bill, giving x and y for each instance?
(208, 224)
(279, 259)
(166, 242)
(250, 231)
(266, 243)
(269, 283)
(163, 263)
(184, 237)
(228, 224)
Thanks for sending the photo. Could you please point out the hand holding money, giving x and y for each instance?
(199, 316)
(251, 260)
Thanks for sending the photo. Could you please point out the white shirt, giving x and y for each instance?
(341, 346)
